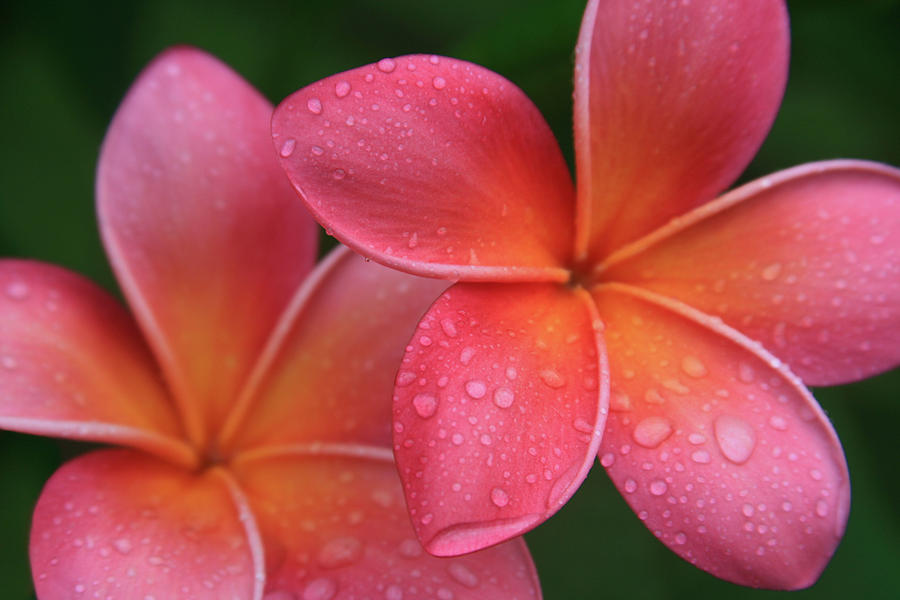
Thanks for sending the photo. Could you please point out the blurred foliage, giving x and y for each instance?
(65, 67)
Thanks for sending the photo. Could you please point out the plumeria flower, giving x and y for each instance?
(633, 316)
(251, 395)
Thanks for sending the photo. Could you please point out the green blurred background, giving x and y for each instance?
(64, 69)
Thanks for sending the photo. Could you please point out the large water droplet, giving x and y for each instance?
(476, 388)
(386, 65)
(499, 497)
(652, 431)
(504, 397)
(735, 437)
(425, 405)
(693, 366)
(552, 378)
(658, 487)
(320, 588)
(314, 105)
(771, 272)
(288, 147)
(341, 89)
(462, 574)
(122, 545)
(439, 83)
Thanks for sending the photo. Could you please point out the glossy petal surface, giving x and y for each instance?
(205, 235)
(672, 101)
(118, 523)
(431, 165)
(805, 261)
(336, 527)
(72, 364)
(338, 349)
(721, 451)
(498, 410)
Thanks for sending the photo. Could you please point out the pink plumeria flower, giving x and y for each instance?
(251, 395)
(636, 306)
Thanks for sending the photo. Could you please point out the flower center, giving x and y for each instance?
(581, 275)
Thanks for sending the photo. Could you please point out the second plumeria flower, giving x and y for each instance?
(694, 320)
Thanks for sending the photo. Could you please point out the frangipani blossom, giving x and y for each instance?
(251, 394)
(634, 316)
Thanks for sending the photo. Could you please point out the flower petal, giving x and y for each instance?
(498, 410)
(806, 261)
(336, 526)
(73, 364)
(116, 523)
(718, 448)
(204, 233)
(671, 103)
(330, 367)
(431, 165)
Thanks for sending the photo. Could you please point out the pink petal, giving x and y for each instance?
(432, 165)
(807, 261)
(718, 448)
(73, 364)
(336, 527)
(671, 103)
(498, 410)
(330, 367)
(116, 523)
(203, 230)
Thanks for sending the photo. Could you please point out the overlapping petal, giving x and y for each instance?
(331, 364)
(117, 523)
(205, 234)
(672, 100)
(498, 410)
(431, 165)
(73, 364)
(336, 526)
(805, 261)
(718, 448)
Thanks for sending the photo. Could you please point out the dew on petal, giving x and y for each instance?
(504, 397)
(425, 405)
(652, 431)
(735, 437)
(499, 497)
(462, 574)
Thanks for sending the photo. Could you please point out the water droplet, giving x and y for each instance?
(340, 552)
(735, 437)
(608, 459)
(341, 89)
(503, 397)
(680, 538)
(658, 487)
(320, 588)
(386, 65)
(462, 574)
(314, 105)
(771, 272)
(288, 147)
(693, 367)
(425, 405)
(439, 83)
(552, 378)
(745, 373)
(652, 431)
(778, 423)
(747, 509)
(122, 545)
(448, 326)
(8, 362)
(315, 151)
(476, 388)
(466, 355)
(404, 378)
(630, 485)
(701, 457)
(338, 174)
(499, 497)
(822, 508)
(17, 290)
